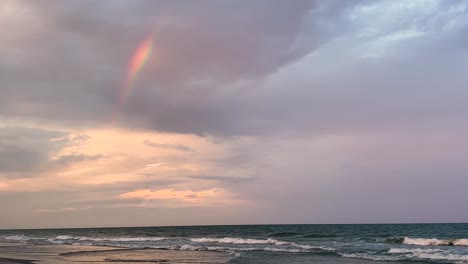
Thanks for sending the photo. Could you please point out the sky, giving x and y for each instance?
(159, 112)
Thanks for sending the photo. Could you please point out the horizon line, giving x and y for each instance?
(217, 225)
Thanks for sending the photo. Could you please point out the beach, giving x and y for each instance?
(254, 244)
(20, 253)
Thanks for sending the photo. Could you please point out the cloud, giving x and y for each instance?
(166, 146)
(24, 151)
(201, 197)
(187, 195)
(245, 72)
(79, 58)
(274, 102)
(226, 179)
(61, 210)
(75, 158)
(31, 152)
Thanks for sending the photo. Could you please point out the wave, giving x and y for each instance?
(17, 237)
(22, 238)
(112, 239)
(233, 250)
(369, 256)
(269, 241)
(238, 244)
(412, 250)
(233, 240)
(434, 242)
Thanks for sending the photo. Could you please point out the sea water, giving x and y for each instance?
(435, 243)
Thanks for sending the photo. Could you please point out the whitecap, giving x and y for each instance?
(233, 240)
(412, 250)
(435, 242)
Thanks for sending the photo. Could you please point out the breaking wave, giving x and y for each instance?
(412, 250)
(237, 244)
(112, 239)
(434, 242)
(230, 240)
(403, 248)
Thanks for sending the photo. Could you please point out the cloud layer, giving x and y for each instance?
(333, 107)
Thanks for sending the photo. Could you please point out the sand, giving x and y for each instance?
(18, 253)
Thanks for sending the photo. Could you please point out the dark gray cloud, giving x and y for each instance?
(25, 151)
(211, 58)
(74, 62)
(28, 152)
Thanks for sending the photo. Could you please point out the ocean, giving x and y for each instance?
(397, 243)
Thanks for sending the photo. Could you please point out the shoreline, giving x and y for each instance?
(24, 253)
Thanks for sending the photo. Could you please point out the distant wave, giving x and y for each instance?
(228, 249)
(180, 243)
(429, 241)
(269, 241)
(22, 238)
(412, 250)
(113, 239)
(231, 240)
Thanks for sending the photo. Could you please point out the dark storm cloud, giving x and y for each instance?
(72, 65)
(67, 62)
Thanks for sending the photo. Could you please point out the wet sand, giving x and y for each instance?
(18, 253)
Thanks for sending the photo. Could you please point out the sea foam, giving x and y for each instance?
(412, 250)
(110, 239)
(435, 242)
(233, 240)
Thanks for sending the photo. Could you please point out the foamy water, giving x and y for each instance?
(431, 243)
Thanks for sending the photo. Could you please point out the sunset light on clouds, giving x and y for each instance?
(232, 112)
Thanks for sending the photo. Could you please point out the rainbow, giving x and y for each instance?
(137, 62)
